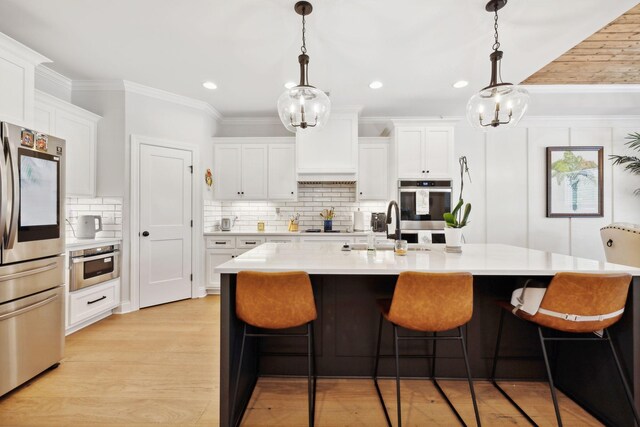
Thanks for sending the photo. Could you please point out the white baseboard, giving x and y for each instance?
(213, 291)
(84, 324)
(201, 292)
(125, 307)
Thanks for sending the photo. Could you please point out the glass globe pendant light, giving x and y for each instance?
(303, 106)
(499, 104)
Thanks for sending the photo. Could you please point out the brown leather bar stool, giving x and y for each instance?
(277, 301)
(428, 302)
(578, 304)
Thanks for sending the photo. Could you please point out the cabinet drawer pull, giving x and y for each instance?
(221, 243)
(96, 300)
(250, 243)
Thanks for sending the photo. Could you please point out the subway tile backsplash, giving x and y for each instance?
(312, 199)
(109, 208)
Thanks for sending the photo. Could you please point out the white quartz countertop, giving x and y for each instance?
(76, 244)
(478, 259)
(287, 233)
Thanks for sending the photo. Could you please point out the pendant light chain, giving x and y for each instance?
(303, 48)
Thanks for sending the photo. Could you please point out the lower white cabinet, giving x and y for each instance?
(332, 239)
(92, 302)
(281, 239)
(216, 257)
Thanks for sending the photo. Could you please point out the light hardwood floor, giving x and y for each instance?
(160, 365)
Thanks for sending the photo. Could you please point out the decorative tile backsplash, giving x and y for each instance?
(312, 199)
(110, 209)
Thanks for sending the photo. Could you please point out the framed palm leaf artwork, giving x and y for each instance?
(574, 181)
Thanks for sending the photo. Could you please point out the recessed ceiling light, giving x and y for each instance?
(210, 85)
(289, 85)
(460, 84)
(375, 84)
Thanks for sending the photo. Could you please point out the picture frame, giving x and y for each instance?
(575, 181)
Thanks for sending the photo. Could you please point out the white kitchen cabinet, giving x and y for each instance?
(282, 172)
(79, 128)
(373, 169)
(17, 81)
(243, 170)
(227, 171)
(214, 258)
(255, 159)
(334, 238)
(331, 150)
(93, 301)
(424, 152)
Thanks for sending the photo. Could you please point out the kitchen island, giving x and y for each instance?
(347, 284)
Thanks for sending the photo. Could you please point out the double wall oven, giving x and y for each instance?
(423, 204)
(31, 254)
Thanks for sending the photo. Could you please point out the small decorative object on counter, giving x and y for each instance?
(260, 225)
(208, 178)
(459, 218)
(327, 215)
(401, 248)
(293, 222)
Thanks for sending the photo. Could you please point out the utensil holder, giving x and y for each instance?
(293, 226)
(328, 224)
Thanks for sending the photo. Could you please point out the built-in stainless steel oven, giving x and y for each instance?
(423, 204)
(95, 265)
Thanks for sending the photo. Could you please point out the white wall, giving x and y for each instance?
(508, 192)
(127, 113)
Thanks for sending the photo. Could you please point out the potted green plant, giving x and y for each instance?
(459, 217)
(632, 163)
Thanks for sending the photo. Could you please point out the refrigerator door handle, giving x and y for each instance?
(3, 179)
(15, 197)
(28, 308)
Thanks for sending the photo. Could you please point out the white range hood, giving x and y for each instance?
(329, 154)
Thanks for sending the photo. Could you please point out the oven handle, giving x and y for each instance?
(431, 190)
(15, 196)
(28, 308)
(78, 260)
(29, 272)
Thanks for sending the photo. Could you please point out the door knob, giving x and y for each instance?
(145, 233)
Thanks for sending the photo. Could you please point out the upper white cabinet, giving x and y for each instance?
(254, 169)
(373, 182)
(282, 172)
(255, 158)
(424, 152)
(79, 128)
(332, 150)
(17, 81)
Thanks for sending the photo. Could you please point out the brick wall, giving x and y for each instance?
(312, 199)
(109, 208)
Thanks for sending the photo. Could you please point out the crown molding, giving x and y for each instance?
(171, 97)
(131, 87)
(256, 121)
(97, 85)
(54, 77)
(582, 89)
(21, 51)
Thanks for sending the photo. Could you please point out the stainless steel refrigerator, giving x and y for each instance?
(31, 254)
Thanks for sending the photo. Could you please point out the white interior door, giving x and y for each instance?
(165, 225)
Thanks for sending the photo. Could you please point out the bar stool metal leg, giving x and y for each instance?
(551, 386)
(627, 390)
(375, 373)
(237, 385)
(311, 375)
(396, 352)
(466, 364)
(496, 356)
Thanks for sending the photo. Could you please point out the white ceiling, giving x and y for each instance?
(417, 48)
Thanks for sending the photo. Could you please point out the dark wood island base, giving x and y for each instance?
(346, 331)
